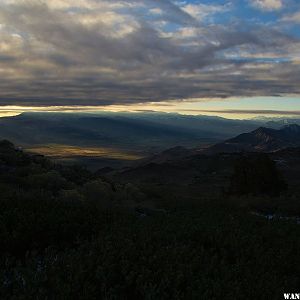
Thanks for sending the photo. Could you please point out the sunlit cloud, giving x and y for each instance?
(293, 18)
(267, 4)
(237, 108)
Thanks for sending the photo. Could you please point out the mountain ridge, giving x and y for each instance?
(262, 139)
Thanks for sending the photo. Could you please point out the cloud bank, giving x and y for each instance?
(263, 112)
(268, 4)
(106, 52)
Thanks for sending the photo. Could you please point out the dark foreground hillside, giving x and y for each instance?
(67, 233)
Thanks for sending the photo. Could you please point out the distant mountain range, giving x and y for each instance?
(179, 165)
(260, 140)
(145, 135)
(149, 132)
(284, 140)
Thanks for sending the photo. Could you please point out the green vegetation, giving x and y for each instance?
(67, 233)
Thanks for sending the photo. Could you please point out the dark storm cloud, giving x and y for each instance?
(112, 52)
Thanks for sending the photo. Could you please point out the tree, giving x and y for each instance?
(99, 193)
(256, 175)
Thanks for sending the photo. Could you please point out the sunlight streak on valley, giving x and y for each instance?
(68, 151)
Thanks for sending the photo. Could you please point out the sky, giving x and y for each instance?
(238, 58)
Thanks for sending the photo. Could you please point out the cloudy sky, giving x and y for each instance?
(238, 57)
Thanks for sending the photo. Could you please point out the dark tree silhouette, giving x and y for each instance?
(256, 174)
